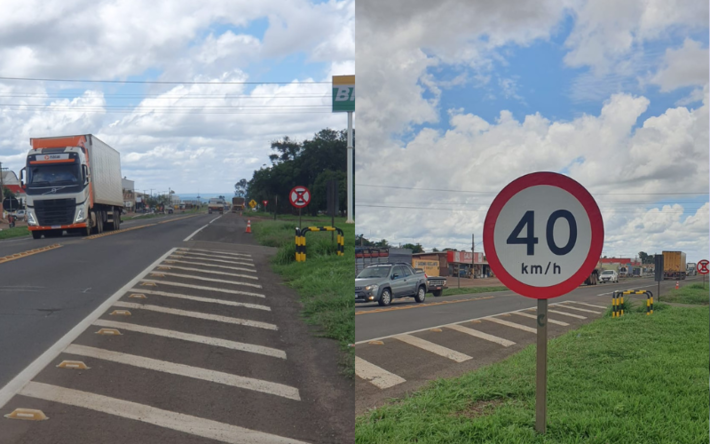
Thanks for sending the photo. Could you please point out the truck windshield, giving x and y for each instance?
(374, 272)
(53, 175)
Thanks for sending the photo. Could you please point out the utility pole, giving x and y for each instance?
(2, 188)
(473, 257)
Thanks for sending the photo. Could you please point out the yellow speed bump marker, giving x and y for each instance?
(169, 262)
(120, 313)
(148, 284)
(27, 414)
(376, 343)
(436, 330)
(108, 331)
(73, 364)
(138, 296)
(505, 315)
(163, 267)
(161, 275)
(476, 321)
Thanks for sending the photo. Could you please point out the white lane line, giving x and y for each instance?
(209, 271)
(200, 287)
(481, 335)
(231, 253)
(201, 299)
(197, 315)
(200, 278)
(551, 321)
(196, 231)
(258, 385)
(215, 218)
(217, 342)
(563, 305)
(512, 324)
(190, 253)
(571, 315)
(253, 270)
(588, 305)
(433, 348)
(185, 256)
(26, 375)
(377, 376)
(192, 425)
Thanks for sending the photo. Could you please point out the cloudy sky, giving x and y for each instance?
(457, 98)
(199, 89)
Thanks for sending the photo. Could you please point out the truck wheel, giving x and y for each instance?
(437, 293)
(421, 294)
(36, 235)
(385, 298)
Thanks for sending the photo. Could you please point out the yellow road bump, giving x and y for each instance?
(161, 275)
(20, 255)
(476, 322)
(109, 331)
(376, 343)
(163, 267)
(138, 296)
(438, 330)
(120, 313)
(27, 415)
(73, 364)
(169, 262)
(505, 315)
(148, 284)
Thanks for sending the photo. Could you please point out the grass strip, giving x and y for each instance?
(688, 294)
(471, 290)
(634, 379)
(14, 232)
(324, 281)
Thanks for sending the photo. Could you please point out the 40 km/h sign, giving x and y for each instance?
(543, 235)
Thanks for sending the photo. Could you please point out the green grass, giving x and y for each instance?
(470, 290)
(635, 379)
(688, 294)
(324, 281)
(14, 232)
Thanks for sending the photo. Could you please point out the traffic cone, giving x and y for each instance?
(677, 285)
(248, 226)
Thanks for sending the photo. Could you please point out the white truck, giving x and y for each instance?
(73, 184)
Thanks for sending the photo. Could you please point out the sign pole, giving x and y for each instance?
(473, 258)
(351, 219)
(299, 219)
(276, 205)
(541, 375)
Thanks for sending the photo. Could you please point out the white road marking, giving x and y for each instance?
(196, 231)
(200, 287)
(185, 256)
(26, 375)
(200, 278)
(511, 324)
(481, 335)
(192, 425)
(201, 299)
(258, 385)
(378, 376)
(216, 218)
(189, 252)
(588, 305)
(217, 342)
(209, 271)
(231, 253)
(197, 315)
(253, 270)
(567, 314)
(551, 321)
(433, 348)
(563, 305)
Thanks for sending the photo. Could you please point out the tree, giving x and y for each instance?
(434, 250)
(240, 188)
(7, 193)
(416, 248)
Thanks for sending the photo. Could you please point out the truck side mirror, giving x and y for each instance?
(22, 177)
(85, 174)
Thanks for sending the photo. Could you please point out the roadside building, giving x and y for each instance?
(11, 182)
(449, 262)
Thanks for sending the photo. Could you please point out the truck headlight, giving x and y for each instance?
(372, 287)
(80, 216)
(31, 218)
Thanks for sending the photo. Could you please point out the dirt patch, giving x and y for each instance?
(480, 408)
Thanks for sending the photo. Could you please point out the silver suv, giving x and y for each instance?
(384, 282)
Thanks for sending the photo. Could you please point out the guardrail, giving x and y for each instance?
(617, 302)
(301, 241)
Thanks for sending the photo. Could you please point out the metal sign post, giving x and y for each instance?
(299, 198)
(703, 269)
(543, 236)
(658, 272)
(344, 101)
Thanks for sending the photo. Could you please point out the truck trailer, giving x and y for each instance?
(216, 205)
(73, 184)
(237, 204)
(674, 266)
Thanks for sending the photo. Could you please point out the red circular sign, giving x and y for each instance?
(703, 266)
(266, 202)
(568, 251)
(299, 197)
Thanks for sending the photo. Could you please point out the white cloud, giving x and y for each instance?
(685, 66)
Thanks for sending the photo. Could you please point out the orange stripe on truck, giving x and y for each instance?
(53, 161)
(58, 142)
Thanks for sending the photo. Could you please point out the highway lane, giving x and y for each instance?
(213, 351)
(402, 347)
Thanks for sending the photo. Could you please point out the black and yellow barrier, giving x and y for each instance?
(301, 241)
(618, 302)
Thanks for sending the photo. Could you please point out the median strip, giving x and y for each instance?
(15, 256)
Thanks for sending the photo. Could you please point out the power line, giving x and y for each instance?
(487, 193)
(163, 82)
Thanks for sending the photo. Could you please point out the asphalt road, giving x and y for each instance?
(401, 347)
(211, 345)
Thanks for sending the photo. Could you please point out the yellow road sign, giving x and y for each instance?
(252, 203)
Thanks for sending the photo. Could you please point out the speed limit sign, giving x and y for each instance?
(543, 235)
